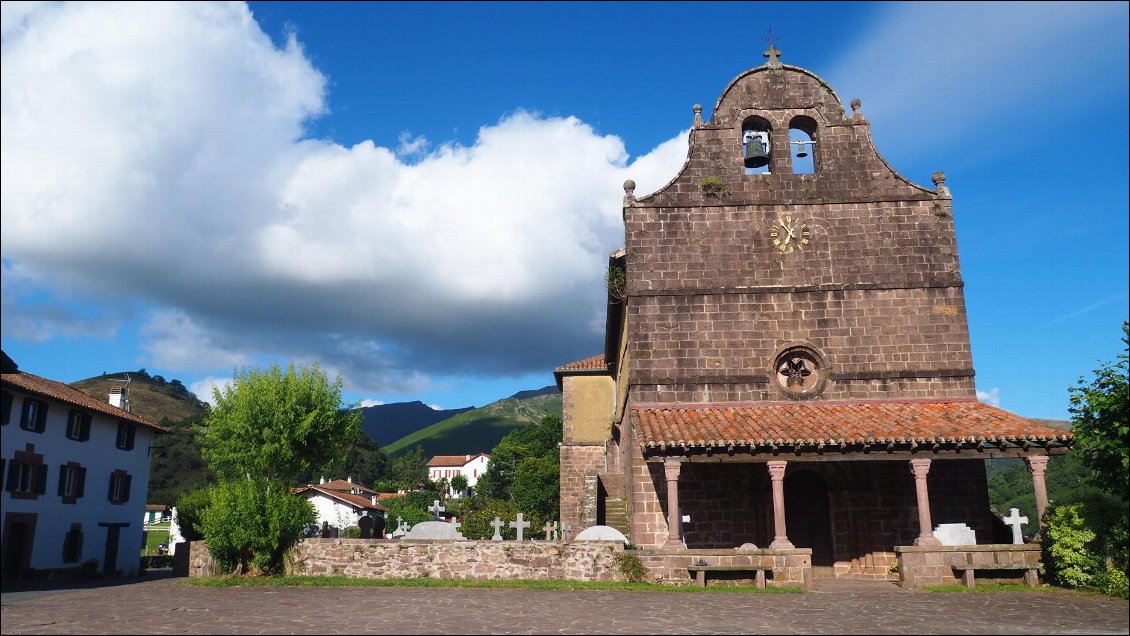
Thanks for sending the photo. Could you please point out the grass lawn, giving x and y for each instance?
(552, 584)
(154, 537)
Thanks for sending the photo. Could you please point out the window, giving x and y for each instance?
(27, 475)
(72, 482)
(72, 544)
(802, 142)
(126, 433)
(34, 416)
(78, 425)
(757, 145)
(119, 487)
(6, 407)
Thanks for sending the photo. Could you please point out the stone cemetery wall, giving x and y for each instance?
(933, 565)
(786, 568)
(469, 560)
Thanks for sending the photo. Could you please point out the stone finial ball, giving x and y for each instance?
(856, 104)
(629, 186)
(938, 177)
(697, 108)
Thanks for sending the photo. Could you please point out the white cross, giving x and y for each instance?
(497, 523)
(520, 525)
(1014, 519)
(435, 509)
(566, 531)
(550, 530)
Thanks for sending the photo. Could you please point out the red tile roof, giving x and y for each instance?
(357, 501)
(834, 423)
(51, 389)
(454, 460)
(595, 363)
(347, 486)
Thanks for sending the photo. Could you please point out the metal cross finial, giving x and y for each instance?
(772, 53)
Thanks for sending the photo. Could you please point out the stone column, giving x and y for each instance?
(1037, 466)
(920, 468)
(777, 475)
(671, 470)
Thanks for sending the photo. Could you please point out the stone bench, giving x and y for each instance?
(1029, 569)
(701, 570)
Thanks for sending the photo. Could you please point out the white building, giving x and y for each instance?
(341, 503)
(447, 466)
(76, 475)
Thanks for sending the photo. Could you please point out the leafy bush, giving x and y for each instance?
(190, 513)
(252, 523)
(631, 567)
(479, 515)
(412, 508)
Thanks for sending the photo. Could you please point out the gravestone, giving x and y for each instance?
(365, 523)
(566, 531)
(955, 534)
(1015, 520)
(550, 531)
(520, 525)
(497, 523)
(436, 530)
(601, 533)
(401, 528)
(435, 509)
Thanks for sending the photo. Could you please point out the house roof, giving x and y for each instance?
(156, 507)
(454, 460)
(50, 389)
(357, 501)
(348, 486)
(816, 424)
(594, 363)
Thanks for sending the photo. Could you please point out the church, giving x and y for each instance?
(786, 371)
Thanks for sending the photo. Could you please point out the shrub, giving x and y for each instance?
(252, 523)
(190, 512)
(1074, 562)
(477, 520)
(631, 567)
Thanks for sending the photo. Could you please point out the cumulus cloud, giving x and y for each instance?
(991, 397)
(204, 388)
(368, 403)
(158, 148)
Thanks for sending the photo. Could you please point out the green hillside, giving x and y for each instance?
(477, 431)
(151, 397)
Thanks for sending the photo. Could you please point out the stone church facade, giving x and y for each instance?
(787, 361)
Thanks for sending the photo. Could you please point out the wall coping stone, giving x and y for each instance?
(981, 547)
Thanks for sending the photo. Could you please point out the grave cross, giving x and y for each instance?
(1014, 519)
(566, 531)
(497, 523)
(520, 525)
(435, 509)
(550, 530)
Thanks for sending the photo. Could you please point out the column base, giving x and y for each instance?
(781, 543)
(931, 540)
(674, 544)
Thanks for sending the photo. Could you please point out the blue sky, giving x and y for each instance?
(421, 197)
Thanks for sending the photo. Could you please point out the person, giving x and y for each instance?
(326, 532)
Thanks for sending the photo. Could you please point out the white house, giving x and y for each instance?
(76, 475)
(447, 466)
(340, 503)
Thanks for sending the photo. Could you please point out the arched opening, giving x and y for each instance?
(808, 521)
(802, 144)
(757, 149)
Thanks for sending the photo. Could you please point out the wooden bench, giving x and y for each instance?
(701, 570)
(1029, 569)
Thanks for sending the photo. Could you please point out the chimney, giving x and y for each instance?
(467, 458)
(349, 479)
(323, 480)
(116, 397)
(374, 499)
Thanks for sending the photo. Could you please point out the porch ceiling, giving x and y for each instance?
(858, 427)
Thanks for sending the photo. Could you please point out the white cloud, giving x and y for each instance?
(203, 388)
(368, 403)
(409, 146)
(156, 149)
(435, 407)
(991, 397)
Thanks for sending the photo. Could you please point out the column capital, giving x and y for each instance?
(672, 468)
(776, 470)
(1037, 464)
(920, 468)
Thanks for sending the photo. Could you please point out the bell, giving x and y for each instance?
(802, 150)
(755, 155)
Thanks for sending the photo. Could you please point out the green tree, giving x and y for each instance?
(190, 512)
(536, 489)
(1099, 412)
(251, 523)
(536, 441)
(412, 508)
(273, 424)
(411, 468)
(459, 483)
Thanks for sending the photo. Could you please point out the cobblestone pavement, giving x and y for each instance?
(163, 607)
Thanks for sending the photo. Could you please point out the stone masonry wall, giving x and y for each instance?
(577, 463)
(933, 565)
(469, 560)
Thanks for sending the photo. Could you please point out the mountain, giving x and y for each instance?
(386, 423)
(545, 390)
(478, 430)
(150, 397)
